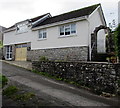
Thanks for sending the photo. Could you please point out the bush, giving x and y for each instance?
(3, 80)
(43, 58)
(117, 41)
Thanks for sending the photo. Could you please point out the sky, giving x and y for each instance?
(13, 11)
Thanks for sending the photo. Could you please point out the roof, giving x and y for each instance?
(2, 28)
(73, 14)
(37, 18)
(31, 20)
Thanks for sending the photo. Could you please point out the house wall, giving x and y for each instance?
(55, 47)
(64, 54)
(0, 43)
(12, 37)
(54, 41)
(95, 21)
(61, 48)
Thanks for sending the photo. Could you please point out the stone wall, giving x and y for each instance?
(98, 76)
(68, 53)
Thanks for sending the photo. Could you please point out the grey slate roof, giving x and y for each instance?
(30, 20)
(73, 14)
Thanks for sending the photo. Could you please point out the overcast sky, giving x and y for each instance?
(12, 11)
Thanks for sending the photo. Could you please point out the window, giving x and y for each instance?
(67, 29)
(21, 28)
(42, 34)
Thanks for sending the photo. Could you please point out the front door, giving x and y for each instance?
(21, 52)
(8, 53)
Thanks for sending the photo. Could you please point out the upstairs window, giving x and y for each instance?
(21, 28)
(68, 29)
(42, 34)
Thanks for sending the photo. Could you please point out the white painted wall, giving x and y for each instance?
(84, 29)
(95, 21)
(54, 41)
(15, 38)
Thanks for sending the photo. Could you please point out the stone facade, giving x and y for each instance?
(66, 54)
(100, 77)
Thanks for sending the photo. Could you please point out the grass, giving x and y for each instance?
(47, 75)
(23, 97)
(9, 91)
(57, 78)
(14, 93)
(3, 80)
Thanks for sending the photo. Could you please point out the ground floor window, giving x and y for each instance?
(8, 52)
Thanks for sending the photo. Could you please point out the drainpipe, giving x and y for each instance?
(89, 38)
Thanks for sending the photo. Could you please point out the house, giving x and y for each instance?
(1, 39)
(62, 37)
(1, 33)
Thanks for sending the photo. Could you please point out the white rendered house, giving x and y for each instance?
(62, 37)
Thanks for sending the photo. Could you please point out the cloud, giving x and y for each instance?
(13, 11)
(17, 5)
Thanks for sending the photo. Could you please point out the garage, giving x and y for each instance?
(21, 52)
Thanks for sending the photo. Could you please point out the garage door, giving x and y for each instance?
(21, 52)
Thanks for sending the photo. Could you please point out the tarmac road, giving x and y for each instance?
(60, 91)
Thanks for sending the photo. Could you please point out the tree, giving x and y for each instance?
(117, 41)
(1, 45)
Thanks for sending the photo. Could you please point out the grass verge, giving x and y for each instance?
(3, 80)
(9, 91)
(14, 93)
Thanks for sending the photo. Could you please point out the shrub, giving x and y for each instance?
(117, 41)
(43, 58)
(3, 80)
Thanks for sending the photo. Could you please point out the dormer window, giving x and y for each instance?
(21, 28)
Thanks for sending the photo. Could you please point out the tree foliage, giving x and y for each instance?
(1, 45)
(117, 41)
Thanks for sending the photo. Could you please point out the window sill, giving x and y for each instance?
(42, 39)
(65, 36)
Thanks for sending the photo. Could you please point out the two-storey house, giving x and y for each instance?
(62, 37)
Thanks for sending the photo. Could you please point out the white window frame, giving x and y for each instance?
(42, 32)
(22, 28)
(8, 53)
(68, 28)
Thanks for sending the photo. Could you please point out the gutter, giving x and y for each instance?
(12, 29)
(89, 39)
(60, 22)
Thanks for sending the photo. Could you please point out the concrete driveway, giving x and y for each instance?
(58, 90)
